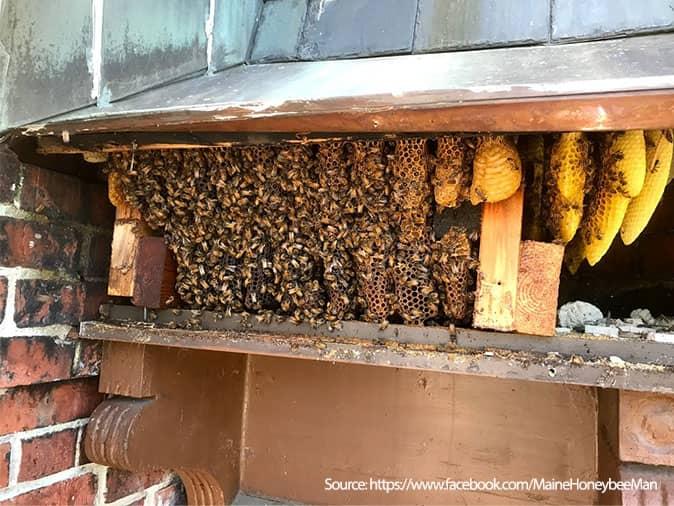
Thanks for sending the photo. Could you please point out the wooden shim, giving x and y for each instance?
(155, 274)
(129, 229)
(538, 287)
(499, 264)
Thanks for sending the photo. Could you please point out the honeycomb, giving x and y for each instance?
(373, 237)
(336, 219)
(416, 298)
(454, 271)
(451, 178)
(317, 232)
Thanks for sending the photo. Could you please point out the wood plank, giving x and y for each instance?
(155, 274)
(538, 287)
(509, 361)
(351, 422)
(129, 229)
(647, 428)
(500, 236)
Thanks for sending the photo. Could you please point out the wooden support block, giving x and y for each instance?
(647, 428)
(155, 274)
(129, 229)
(538, 287)
(499, 264)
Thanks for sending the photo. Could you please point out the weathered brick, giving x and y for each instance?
(9, 174)
(46, 404)
(646, 428)
(173, 494)
(98, 209)
(40, 302)
(88, 361)
(47, 454)
(38, 245)
(98, 257)
(5, 453)
(29, 360)
(3, 297)
(51, 193)
(662, 476)
(76, 491)
(122, 483)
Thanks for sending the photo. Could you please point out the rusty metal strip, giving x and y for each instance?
(576, 359)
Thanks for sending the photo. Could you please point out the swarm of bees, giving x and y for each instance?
(319, 232)
(341, 230)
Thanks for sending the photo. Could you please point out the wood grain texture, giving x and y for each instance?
(155, 273)
(500, 236)
(538, 287)
(129, 229)
(309, 421)
(647, 428)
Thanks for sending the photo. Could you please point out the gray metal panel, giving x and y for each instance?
(451, 24)
(147, 43)
(279, 30)
(600, 18)
(338, 29)
(43, 59)
(402, 82)
(233, 24)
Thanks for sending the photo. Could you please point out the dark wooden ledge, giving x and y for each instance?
(630, 364)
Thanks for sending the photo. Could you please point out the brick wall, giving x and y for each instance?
(55, 234)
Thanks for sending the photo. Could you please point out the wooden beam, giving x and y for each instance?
(129, 229)
(155, 274)
(538, 287)
(500, 236)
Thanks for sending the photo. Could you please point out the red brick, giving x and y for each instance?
(3, 297)
(122, 483)
(9, 174)
(38, 245)
(646, 428)
(663, 476)
(173, 494)
(46, 404)
(99, 210)
(29, 360)
(98, 256)
(40, 302)
(51, 193)
(4, 464)
(47, 454)
(76, 491)
(89, 359)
